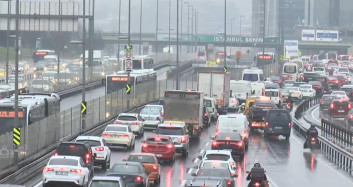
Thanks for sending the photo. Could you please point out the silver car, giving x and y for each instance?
(152, 117)
(133, 120)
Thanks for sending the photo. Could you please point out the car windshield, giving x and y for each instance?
(149, 112)
(104, 183)
(327, 98)
(92, 143)
(170, 131)
(293, 89)
(127, 118)
(221, 157)
(213, 173)
(290, 69)
(116, 128)
(251, 77)
(142, 159)
(338, 93)
(215, 164)
(207, 103)
(347, 89)
(275, 116)
(125, 168)
(63, 161)
(271, 94)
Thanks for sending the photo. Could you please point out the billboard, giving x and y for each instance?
(290, 48)
(308, 35)
(327, 35)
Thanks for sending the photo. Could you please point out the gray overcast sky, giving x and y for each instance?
(211, 15)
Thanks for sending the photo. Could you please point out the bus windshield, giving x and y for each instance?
(290, 69)
(250, 77)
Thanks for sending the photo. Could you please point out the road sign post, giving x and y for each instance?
(128, 69)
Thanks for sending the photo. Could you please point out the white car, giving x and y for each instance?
(68, 169)
(295, 92)
(209, 164)
(152, 117)
(233, 104)
(100, 181)
(340, 95)
(100, 148)
(119, 135)
(307, 90)
(222, 155)
(159, 107)
(232, 123)
(133, 120)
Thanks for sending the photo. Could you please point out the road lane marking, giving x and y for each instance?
(312, 115)
(207, 144)
(183, 183)
(190, 170)
(324, 162)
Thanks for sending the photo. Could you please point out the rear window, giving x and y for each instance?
(116, 128)
(72, 149)
(340, 103)
(210, 165)
(347, 89)
(123, 168)
(278, 116)
(92, 143)
(61, 161)
(170, 131)
(265, 105)
(343, 70)
(214, 173)
(127, 118)
(251, 77)
(157, 140)
(221, 157)
(142, 159)
(150, 112)
(327, 98)
(103, 183)
(271, 94)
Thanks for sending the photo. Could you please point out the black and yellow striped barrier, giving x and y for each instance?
(16, 136)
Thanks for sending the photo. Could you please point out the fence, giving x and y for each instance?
(336, 154)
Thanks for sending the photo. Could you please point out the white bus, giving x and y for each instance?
(141, 62)
(32, 108)
(253, 75)
(290, 71)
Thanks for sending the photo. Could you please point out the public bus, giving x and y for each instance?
(40, 54)
(32, 108)
(118, 81)
(265, 58)
(290, 71)
(141, 62)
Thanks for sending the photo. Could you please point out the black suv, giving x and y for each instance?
(82, 150)
(278, 122)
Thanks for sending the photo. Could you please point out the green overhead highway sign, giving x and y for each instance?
(234, 39)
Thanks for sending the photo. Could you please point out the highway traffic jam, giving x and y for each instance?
(231, 111)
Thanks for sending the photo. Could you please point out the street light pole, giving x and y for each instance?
(84, 63)
(157, 30)
(188, 25)
(225, 33)
(140, 27)
(169, 28)
(119, 30)
(264, 30)
(128, 43)
(240, 32)
(181, 24)
(7, 40)
(192, 27)
(16, 121)
(177, 48)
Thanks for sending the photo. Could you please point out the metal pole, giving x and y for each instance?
(157, 30)
(128, 43)
(119, 30)
(192, 27)
(264, 30)
(140, 26)
(189, 27)
(7, 41)
(16, 122)
(169, 30)
(84, 63)
(181, 24)
(177, 56)
(91, 38)
(225, 33)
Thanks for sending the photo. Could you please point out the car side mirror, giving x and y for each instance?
(143, 120)
(143, 141)
(94, 155)
(199, 157)
(213, 137)
(193, 174)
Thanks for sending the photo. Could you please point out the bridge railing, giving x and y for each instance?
(337, 134)
(333, 152)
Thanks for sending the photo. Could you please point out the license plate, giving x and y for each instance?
(340, 110)
(61, 173)
(278, 127)
(158, 155)
(313, 142)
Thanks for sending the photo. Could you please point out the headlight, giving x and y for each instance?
(102, 73)
(45, 69)
(35, 68)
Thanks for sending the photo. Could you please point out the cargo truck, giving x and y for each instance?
(185, 106)
(215, 85)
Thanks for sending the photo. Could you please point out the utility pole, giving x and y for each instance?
(140, 27)
(84, 63)
(129, 43)
(189, 26)
(16, 121)
(91, 38)
(225, 33)
(169, 28)
(157, 30)
(192, 28)
(264, 29)
(119, 30)
(181, 24)
(177, 48)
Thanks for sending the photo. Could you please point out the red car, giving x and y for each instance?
(337, 80)
(339, 108)
(161, 146)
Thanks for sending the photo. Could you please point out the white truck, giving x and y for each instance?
(185, 106)
(217, 86)
(241, 90)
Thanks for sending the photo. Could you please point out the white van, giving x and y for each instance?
(274, 95)
(258, 89)
(253, 75)
(240, 89)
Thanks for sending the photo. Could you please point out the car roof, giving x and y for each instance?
(233, 136)
(107, 178)
(120, 125)
(171, 125)
(160, 106)
(128, 114)
(129, 163)
(98, 138)
(156, 135)
(347, 86)
(225, 152)
(175, 122)
(305, 85)
(66, 157)
(272, 90)
(142, 154)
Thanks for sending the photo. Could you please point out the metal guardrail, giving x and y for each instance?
(337, 134)
(336, 154)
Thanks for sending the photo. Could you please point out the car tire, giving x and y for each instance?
(45, 185)
(158, 180)
(185, 153)
(104, 166)
(287, 137)
(173, 159)
(142, 133)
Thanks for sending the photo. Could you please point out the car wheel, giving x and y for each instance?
(142, 133)
(287, 137)
(158, 180)
(185, 153)
(104, 166)
(173, 159)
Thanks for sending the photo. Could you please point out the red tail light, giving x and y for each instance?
(257, 184)
(135, 123)
(124, 136)
(138, 179)
(214, 143)
(155, 167)
(266, 124)
(183, 139)
(336, 81)
(99, 148)
(350, 116)
(162, 114)
(322, 101)
(244, 135)
(47, 169)
(205, 114)
(310, 90)
(118, 122)
(229, 182)
(170, 146)
(289, 124)
(196, 127)
(313, 139)
(56, 154)
(144, 145)
(105, 135)
(78, 171)
(234, 101)
(88, 158)
(349, 106)
(332, 106)
(240, 144)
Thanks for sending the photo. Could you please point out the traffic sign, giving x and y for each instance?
(83, 107)
(282, 57)
(128, 47)
(128, 89)
(225, 69)
(16, 137)
(128, 54)
(128, 58)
